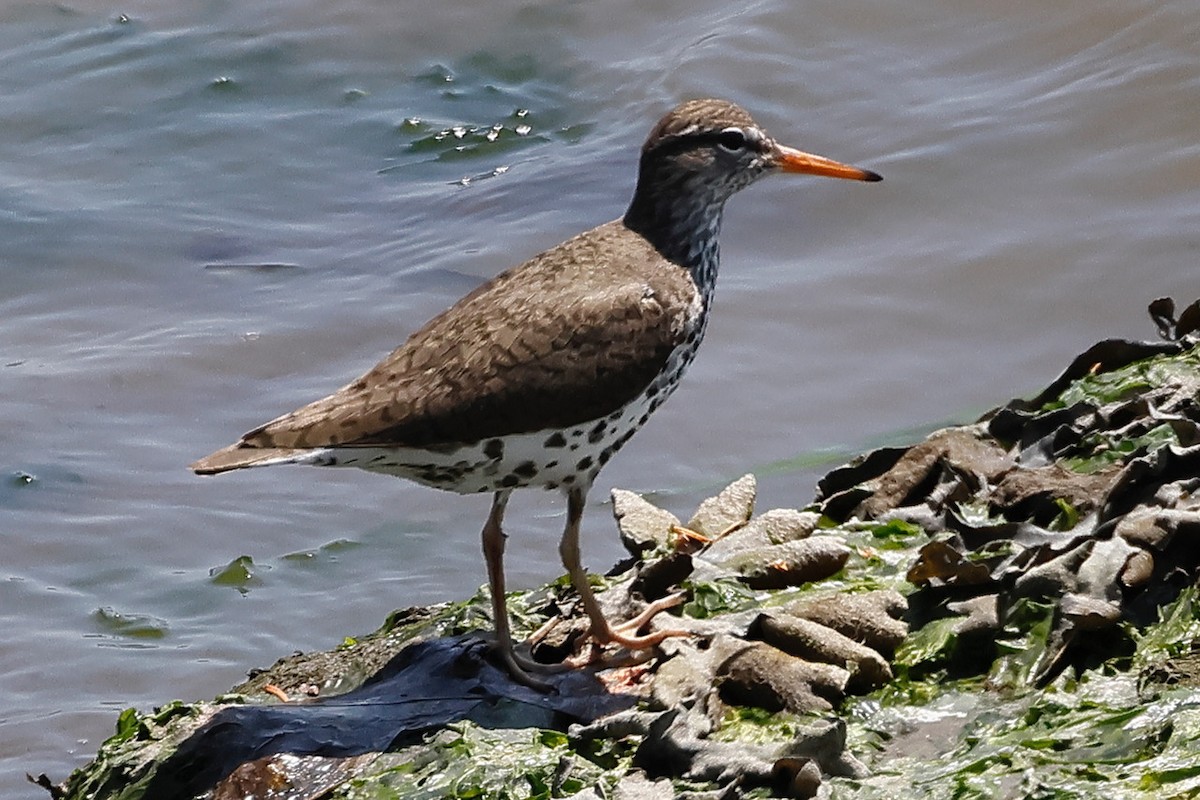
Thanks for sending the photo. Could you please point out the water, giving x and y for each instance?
(1042, 184)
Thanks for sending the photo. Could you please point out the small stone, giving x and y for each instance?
(643, 526)
(1138, 569)
(733, 506)
(797, 777)
(866, 618)
(769, 678)
(789, 564)
(777, 526)
(1089, 613)
(682, 679)
(980, 615)
(815, 642)
(781, 525)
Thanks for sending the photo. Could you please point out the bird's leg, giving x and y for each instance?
(601, 631)
(493, 554)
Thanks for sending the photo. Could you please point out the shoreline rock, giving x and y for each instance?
(1043, 553)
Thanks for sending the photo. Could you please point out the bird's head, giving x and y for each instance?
(696, 158)
(713, 148)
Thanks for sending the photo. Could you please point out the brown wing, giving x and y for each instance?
(566, 338)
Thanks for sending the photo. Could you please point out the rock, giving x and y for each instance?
(733, 506)
(642, 525)
(980, 615)
(789, 564)
(1098, 575)
(815, 642)
(774, 527)
(764, 676)
(963, 449)
(870, 618)
(1138, 569)
(1055, 577)
(682, 679)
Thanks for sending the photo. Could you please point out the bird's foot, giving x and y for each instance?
(625, 635)
(520, 667)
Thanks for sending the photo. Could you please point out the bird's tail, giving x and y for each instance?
(242, 456)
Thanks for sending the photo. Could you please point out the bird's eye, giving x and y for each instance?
(732, 139)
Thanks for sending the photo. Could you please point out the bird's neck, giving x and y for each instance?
(685, 233)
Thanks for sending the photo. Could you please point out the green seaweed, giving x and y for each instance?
(465, 761)
(1106, 451)
(721, 596)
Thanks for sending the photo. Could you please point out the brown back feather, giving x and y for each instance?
(568, 337)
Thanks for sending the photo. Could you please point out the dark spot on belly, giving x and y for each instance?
(555, 440)
(584, 463)
(568, 480)
(526, 469)
(494, 449)
(597, 433)
(605, 455)
(509, 481)
(644, 419)
(551, 465)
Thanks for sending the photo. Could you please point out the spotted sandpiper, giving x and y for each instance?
(540, 375)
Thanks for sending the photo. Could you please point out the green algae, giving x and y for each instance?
(465, 761)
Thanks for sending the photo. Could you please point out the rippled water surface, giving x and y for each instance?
(212, 212)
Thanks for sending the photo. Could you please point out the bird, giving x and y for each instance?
(541, 374)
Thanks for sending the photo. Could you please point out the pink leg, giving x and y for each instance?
(602, 632)
(493, 553)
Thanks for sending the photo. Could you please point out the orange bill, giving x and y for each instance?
(798, 161)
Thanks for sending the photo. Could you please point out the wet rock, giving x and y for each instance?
(1055, 577)
(719, 515)
(788, 564)
(1032, 493)
(1155, 528)
(1089, 613)
(642, 525)
(1100, 571)
(815, 642)
(1137, 570)
(764, 676)
(683, 679)
(963, 450)
(980, 615)
(798, 777)
(871, 618)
